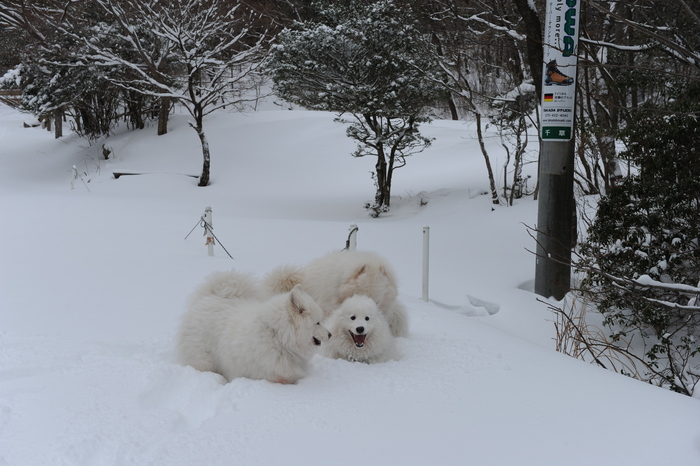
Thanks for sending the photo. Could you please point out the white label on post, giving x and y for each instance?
(559, 73)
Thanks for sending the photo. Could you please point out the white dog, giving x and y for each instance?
(360, 333)
(337, 276)
(231, 330)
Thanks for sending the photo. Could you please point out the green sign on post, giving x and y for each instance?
(559, 73)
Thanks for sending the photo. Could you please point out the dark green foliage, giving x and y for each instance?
(359, 59)
(94, 102)
(370, 61)
(57, 75)
(11, 51)
(642, 256)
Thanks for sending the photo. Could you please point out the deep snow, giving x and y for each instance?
(93, 282)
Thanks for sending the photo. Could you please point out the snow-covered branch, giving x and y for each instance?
(646, 280)
(657, 33)
(508, 30)
(625, 48)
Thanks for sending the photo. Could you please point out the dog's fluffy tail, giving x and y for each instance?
(230, 285)
(283, 279)
(398, 319)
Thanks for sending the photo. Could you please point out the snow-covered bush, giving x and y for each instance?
(642, 255)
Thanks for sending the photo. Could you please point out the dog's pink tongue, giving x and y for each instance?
(359, 339)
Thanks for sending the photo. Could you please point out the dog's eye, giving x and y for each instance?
(352, 318)
(366, 318)
(318, 323)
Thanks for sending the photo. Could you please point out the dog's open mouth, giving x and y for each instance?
(317, 342)
(358, 339)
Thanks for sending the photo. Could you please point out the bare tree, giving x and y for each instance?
(202, 54)
(142, 46)
(631, 52)
(487, 49)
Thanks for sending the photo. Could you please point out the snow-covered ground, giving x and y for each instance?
(93, 281)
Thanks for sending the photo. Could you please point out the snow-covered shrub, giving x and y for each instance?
(642, 255)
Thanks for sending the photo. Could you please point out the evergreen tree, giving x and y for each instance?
(642, 256)
(53, 74)
(370, 62)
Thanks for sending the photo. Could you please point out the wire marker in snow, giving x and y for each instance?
(211, 239)
(77, 176)
(208, 231)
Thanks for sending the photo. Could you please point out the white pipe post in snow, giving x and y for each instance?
(426, 261)
(208, 227)
(75, 177)
(352, 238)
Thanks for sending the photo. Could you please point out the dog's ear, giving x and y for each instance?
(349, 286)
(296, 299)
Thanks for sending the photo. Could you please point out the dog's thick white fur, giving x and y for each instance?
(229, 328)
(360, 333)
(335, 277)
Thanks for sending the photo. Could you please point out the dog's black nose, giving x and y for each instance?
(330, 334)
(360, 330)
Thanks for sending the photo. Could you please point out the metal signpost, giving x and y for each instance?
(555, 215)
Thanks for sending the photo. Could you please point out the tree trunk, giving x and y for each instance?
(163, 114)
(383, 196)
(492, 180)
(453, 107)
(533, 32)
(135, 107)
(450, 100)
(78, 120)
(58, 123)
(206, 165)
(206, 156)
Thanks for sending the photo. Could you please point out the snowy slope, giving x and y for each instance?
(93, 282)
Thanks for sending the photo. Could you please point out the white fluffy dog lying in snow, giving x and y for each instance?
(335, 277)
(230, 329)
(360, 333)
